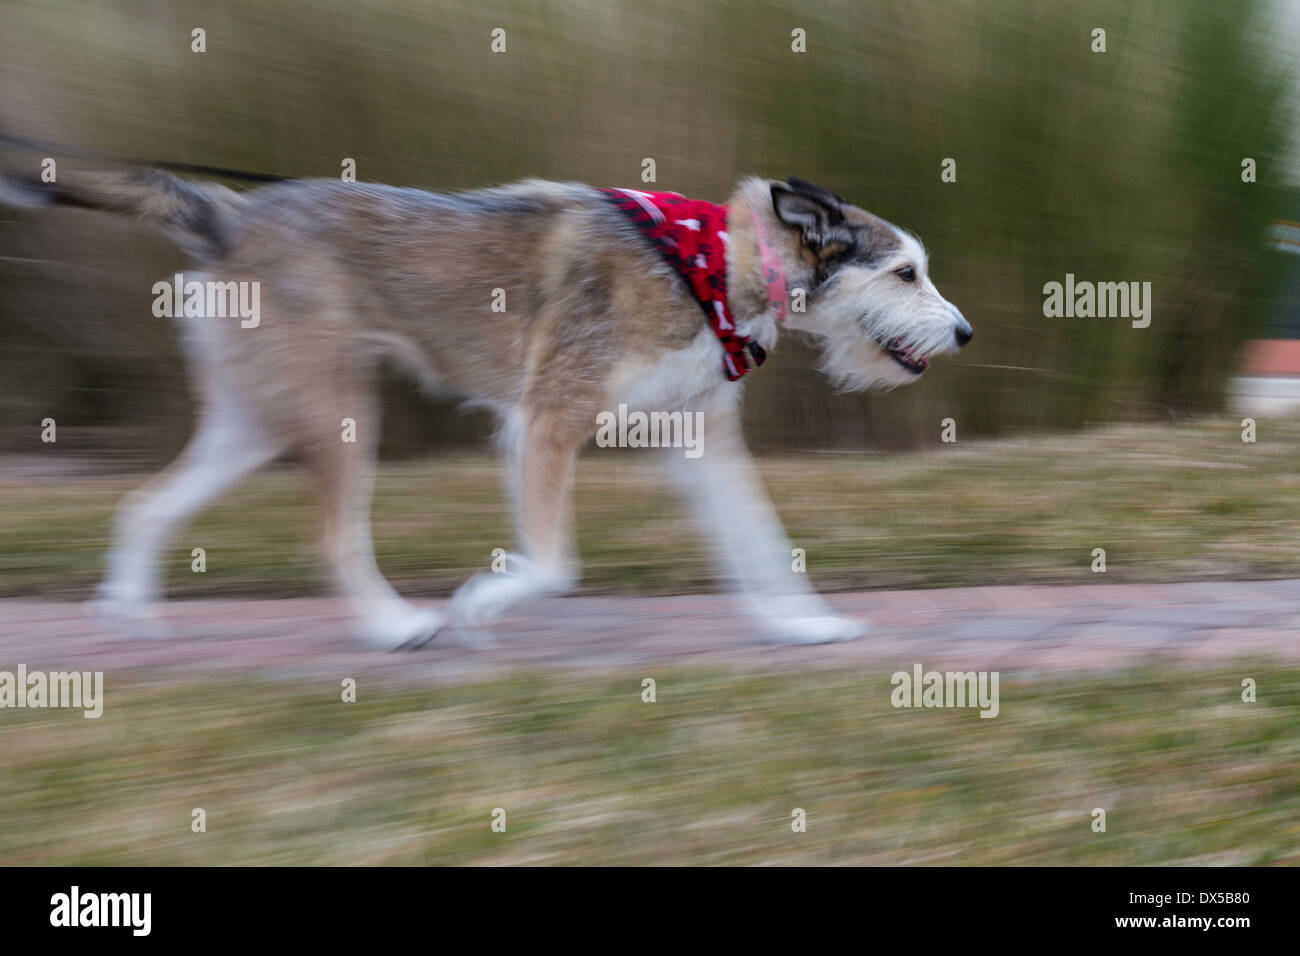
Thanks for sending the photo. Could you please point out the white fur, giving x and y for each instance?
(853, 314)
(672, 381)
(486, 596)
(725, 494)
(861, 307)
(858, 310)
(227, 446)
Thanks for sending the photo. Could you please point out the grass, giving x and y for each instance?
(1166, 502)
(709, 774)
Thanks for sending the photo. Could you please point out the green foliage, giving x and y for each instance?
(709, 774)
(1115, 166)
(1191, 502)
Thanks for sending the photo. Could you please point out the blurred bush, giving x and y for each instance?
(1115, 166)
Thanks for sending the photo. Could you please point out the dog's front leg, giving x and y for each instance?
(540, 449)
(725, 493)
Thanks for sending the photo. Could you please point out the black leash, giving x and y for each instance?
(42, 146)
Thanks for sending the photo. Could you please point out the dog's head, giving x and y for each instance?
(878, 316)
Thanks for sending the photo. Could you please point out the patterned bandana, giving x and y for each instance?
(692, 236)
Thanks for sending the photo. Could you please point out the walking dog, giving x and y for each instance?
(548, 303)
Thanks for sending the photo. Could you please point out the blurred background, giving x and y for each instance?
(1073, 434)
(1120, 166)
(1117, 166)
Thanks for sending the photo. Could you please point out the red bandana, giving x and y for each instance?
(692, 236)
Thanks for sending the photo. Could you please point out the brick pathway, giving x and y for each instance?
(1011, 629)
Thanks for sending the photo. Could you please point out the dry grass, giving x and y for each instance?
(1167, 503)
(710, 774)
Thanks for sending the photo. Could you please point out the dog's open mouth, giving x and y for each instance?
(905, 357)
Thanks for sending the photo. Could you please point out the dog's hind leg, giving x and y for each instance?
(541, 446)
(230, 444)
(723, 489)
(345, 473)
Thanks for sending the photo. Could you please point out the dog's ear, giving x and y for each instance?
(816, 212)
(812, 189)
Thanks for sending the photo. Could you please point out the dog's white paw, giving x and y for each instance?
(485, 597)
(482, 599)
(818, 629)
(128, 619)
(404, 628)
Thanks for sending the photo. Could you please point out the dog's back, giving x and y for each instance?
(473, 292)
(541, 300)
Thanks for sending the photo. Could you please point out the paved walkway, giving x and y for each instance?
(1010, 629)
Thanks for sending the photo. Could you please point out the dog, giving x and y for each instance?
(545, 302)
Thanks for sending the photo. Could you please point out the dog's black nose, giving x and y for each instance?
(964, 333)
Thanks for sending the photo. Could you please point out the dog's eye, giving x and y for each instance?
(907, 274)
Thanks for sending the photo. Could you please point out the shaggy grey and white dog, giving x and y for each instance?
(351, 274)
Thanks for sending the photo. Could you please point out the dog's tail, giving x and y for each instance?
(200, 217)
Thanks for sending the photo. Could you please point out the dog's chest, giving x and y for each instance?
(670, 379)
